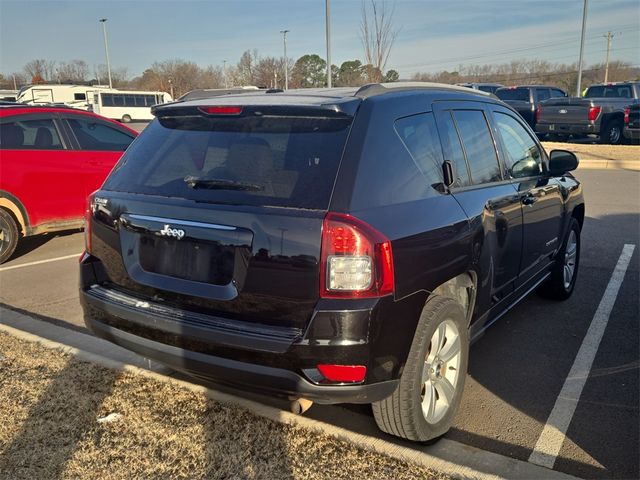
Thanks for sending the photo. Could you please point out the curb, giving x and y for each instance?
(588, 163)
(448, 457)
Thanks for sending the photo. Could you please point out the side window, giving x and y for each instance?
(454, 152)
(79, 96)
(29, 135)
(420, 136)
(522, 155)
(557, 93)
(95, 135)
(478, 145)
(543, 94)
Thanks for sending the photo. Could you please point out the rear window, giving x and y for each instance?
(269, 160)
(513, 94)
(610, 91)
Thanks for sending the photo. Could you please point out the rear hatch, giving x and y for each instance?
(565, 110)
(220, 210)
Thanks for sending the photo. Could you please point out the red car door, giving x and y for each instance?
(39, 170)
(100, 144)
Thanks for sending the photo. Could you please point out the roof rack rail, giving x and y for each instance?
(372, 89)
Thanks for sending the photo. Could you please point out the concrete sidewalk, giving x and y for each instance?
(446, 456)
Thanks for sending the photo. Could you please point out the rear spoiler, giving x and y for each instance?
(179, 109)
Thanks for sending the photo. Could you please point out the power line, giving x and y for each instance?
(566, 41)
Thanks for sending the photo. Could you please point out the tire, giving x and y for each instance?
(126, 119)
(402, 414)
(8, 235)
(612, 132)
(557, 287)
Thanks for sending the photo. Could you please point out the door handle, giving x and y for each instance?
(529, 199)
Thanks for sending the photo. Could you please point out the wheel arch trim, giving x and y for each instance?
(16, 208)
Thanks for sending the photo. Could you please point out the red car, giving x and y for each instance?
(51, 159)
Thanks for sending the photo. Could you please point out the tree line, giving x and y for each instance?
(181, 76)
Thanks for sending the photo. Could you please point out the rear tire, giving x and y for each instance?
(8, 235)
(562, 281)
(126, 119)
(430, 389)
(612, 132)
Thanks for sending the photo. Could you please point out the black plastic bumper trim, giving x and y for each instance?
(244, 375)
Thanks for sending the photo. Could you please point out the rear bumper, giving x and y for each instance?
(631, 133)
(129, 328)
(567, 129)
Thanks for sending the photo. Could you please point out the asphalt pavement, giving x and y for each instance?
(517, 370)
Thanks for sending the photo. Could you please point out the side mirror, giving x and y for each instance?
(561, 162)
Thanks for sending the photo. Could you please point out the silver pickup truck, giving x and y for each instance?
(600, 112)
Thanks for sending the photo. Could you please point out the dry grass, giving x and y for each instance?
(598, 152)
(50, 403)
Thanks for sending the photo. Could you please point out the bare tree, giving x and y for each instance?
(75, 71)
(377, 36)
(41, 68)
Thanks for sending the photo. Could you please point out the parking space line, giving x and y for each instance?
(39, 262)
(554, 432)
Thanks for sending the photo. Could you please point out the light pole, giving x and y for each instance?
(286, 62)
(103, 21)
(584, 28)
(328, 26)
(224, 72)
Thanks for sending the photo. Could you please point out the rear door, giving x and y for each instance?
(489, 200)
(38, 168)
(98, 145)
(539, 194)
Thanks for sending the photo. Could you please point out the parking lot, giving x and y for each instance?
(518, 372)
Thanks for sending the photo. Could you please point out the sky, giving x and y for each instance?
(432, 35)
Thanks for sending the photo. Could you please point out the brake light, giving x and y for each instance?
(87, 224)
(627, 112)
(221, 110)
(343, 373)
(593, 113)
(356, 259)
(538, 113)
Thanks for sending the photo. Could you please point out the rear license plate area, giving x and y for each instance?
(187, 259)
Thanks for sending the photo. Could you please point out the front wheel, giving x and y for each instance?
(430, 389)
(8, 235)
(562, 281)
(126, 119)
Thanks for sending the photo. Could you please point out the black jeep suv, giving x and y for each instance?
(339, 245)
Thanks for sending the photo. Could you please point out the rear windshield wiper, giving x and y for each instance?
(221, 184)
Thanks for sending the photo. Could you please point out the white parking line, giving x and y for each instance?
(39, 262)
(554, 432)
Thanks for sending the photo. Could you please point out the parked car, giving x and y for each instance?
(600, 112)
(525, 99)
(632, 123)
(334, 245)
(483, 87)
(52, 159)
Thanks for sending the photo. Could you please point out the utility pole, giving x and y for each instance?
(15, 86)
(286, 61)
(328, 27)
(584, 29)
(608, 36)
(224, 72)
(103, 21)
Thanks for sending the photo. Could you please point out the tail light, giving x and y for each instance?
(343, 373)
(356, 259)
(538, 113)
(593, 113)
(627, 112)
(87, 224)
